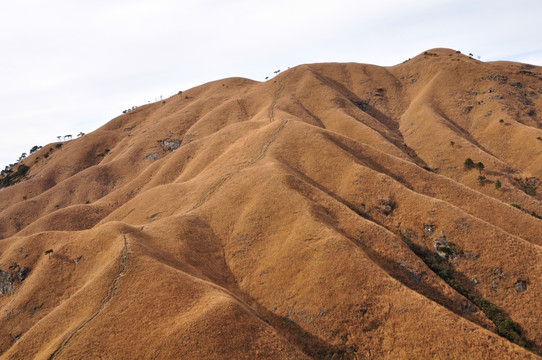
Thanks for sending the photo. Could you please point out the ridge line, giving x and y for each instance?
(105, 301)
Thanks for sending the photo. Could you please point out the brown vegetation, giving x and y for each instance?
(321, 214)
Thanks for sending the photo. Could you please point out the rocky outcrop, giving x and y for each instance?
(170, 144)
(6, 282)
(520, 286)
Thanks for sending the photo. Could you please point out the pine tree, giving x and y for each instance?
(480, 166)
(469, 164)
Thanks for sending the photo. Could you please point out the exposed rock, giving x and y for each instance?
(443, 247)
(387, 207)
(467, 306)
(410, 234)
(497, 277)
(520, 286)
(494, 284)
(361, 105)
(463, 224)
(416, 278)
(528, 184)
(170, 144)
(153, 156)
(525, 101)
(188, 139)
(22, 274)
(360, 312)
(6, 282)
(33, 309)
(428, 228)
(499, 78)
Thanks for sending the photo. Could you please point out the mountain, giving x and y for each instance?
(327, 213)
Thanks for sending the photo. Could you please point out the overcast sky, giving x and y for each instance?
(71, 66)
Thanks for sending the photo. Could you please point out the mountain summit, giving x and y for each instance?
(335, 211)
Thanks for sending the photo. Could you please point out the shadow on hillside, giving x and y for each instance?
(214, 269)
(391, 125)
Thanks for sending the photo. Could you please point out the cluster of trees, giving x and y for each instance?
(11, 177)
(10, 169)
(469, 164)
(135, 107)
(69, 137)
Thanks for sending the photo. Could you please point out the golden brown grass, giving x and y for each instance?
(297, 220)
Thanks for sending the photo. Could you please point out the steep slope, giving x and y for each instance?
(325, 213)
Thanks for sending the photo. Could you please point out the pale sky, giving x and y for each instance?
(71, 66)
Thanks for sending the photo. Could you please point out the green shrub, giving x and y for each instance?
(445, 272)
(106, 151)
(480, 166)
(506, 327)
(10, 177)
(532, 213)
(22, 170)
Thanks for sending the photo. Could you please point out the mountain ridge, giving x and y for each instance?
(325, 213)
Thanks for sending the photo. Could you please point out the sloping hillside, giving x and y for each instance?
(326, 213)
